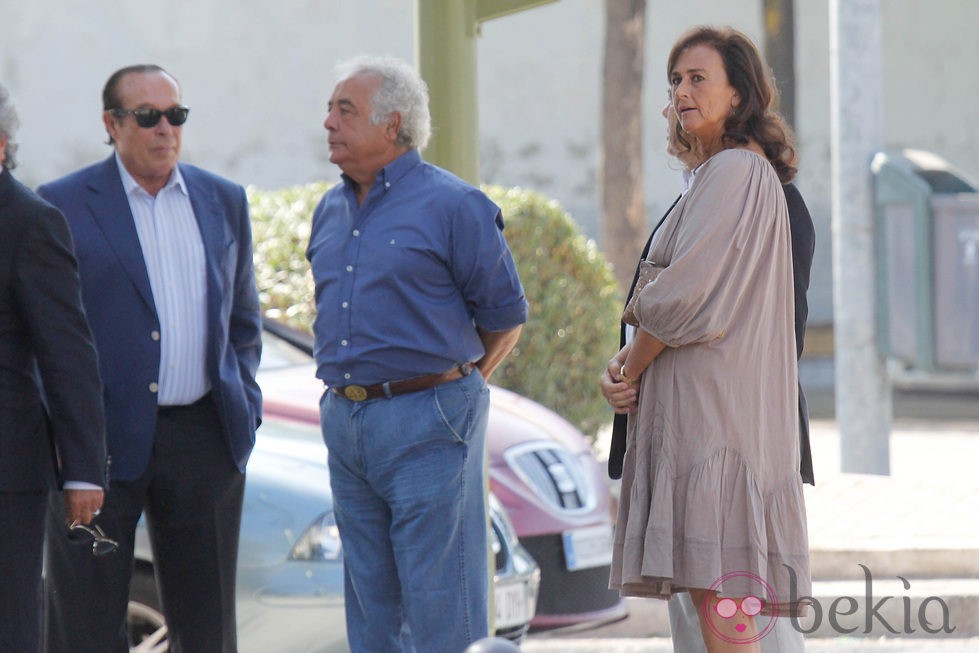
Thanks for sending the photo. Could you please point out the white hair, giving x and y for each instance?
(8, 126)
(401, 90)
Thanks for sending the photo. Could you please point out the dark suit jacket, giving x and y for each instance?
(120, 307)
(44, 337)
(803, 237)
(803, 246)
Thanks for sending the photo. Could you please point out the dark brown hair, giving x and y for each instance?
(756, 117)
(110, 97)
(110, 92)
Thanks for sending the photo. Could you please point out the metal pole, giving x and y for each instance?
(863, 394)
(446, 33)
(446, 54)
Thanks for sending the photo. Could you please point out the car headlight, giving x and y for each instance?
(495, 545)
(320, 542)
(555, 474)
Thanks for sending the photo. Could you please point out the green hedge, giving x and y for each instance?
(280, 231)
(573, 295)
(574, 307)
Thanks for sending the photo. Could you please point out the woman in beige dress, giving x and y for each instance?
(711, 499)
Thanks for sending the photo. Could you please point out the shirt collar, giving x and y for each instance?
(392, 172)
(686, 178)
(130, 184)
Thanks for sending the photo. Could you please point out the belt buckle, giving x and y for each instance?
(355, 392)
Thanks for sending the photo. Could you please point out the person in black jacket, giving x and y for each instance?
(51, 417)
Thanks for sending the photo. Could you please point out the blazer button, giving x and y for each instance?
(155, 335)
(154, 387)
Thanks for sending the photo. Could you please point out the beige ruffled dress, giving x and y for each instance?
(711, 494)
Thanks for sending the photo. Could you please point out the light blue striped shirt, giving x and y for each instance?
(174, 256)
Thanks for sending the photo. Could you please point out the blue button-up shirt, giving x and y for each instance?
(403, 280)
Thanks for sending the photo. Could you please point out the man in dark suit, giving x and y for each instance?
(43, 336)
(165, 257)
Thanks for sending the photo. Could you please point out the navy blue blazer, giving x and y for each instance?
(122, 314)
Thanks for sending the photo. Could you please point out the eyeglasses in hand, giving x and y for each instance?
(101, 544)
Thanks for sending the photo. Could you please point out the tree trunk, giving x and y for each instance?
(779, 48)
(623, 216)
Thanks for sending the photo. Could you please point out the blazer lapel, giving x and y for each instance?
(209, 213)
(110, 210)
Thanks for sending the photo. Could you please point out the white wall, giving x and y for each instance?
(543, 130)
(257, 76)
(556, 109)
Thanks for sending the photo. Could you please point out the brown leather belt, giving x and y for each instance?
(404, 386)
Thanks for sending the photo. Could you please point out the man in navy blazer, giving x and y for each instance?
(165, 256)
(53, 427)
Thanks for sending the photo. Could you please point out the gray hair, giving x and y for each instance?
(8, 126)
(402, 90)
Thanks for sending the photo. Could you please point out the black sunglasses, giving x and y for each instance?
(147, 118)
(101, 544)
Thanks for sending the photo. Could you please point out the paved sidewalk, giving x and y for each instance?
(930, 499)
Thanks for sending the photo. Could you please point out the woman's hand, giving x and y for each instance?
(622, 396)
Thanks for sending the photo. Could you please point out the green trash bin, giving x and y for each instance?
(927, 224)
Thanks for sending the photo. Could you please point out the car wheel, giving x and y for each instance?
(147, 627)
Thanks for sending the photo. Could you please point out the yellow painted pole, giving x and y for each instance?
(445, 38)
(446, 50)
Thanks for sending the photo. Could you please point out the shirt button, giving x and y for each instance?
(350, 268)
(356, 232)
(155, 335)
(345, 304)
(346, 376)
(343, 343)
(387, 184)
(154, 387)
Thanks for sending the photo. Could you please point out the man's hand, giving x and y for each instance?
(81, 506)
(497, 345)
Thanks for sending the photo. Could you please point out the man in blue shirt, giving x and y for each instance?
(418, 301)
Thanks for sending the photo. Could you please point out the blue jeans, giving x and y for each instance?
(407, 480)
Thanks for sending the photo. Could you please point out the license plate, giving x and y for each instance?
(585, 548)
(514, 605)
